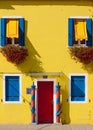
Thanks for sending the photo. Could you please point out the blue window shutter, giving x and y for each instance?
(3, 31)
(70, 31)
(77, 88)
(12, 88)
(89, 31)
(0, 32)
(21, 31)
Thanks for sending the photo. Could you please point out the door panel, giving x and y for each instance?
(45, 101)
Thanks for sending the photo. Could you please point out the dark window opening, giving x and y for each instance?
(12, 41)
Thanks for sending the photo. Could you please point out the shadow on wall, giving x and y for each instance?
(9, 3)
(32, 62)
(65, 110)
(88, 68)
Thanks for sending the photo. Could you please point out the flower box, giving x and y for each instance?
(82, 54)
(14, 53)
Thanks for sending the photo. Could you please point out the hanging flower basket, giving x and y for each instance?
(14, 53)
(82, 54)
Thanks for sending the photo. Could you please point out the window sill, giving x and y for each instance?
(83, 45)
(78, 102)
(12, 102)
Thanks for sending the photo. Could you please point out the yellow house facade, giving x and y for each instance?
(49, 80)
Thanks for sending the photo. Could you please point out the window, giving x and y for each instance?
(12, 31)
(78, 89)
(79, 31)
(12, 88)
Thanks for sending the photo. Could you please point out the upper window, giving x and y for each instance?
(12, 31)
(12, 88)
(80, 32)
(78, 88)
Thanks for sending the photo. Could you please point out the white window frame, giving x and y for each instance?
(79, 17)
(54, 99)
(86, 88)
(20, 88)
(12, 17)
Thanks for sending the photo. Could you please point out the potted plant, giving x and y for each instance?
(82, 54)
(14, 53)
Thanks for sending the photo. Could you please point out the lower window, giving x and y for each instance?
(77, 88)
(12, 88)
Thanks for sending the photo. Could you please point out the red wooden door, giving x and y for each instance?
(45, 102)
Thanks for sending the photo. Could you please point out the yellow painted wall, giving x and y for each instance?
(46, 37)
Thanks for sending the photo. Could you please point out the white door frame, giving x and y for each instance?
(54, 99)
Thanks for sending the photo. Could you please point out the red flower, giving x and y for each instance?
(83, 54)
(14, 54)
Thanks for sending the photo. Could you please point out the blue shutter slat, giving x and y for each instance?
(77, 98)
(70, 31)
(89, 31)
(78, 86)
(21, 31)
(3, 31)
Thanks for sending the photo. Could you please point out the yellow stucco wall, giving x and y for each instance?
(46, 37)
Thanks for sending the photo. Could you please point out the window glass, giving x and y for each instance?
(12, 31)
(80, 31)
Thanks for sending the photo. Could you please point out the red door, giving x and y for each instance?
(45, 102)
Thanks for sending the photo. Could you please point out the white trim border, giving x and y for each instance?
(12, 17)
(20, 85)
(80, 17)
(86, 88)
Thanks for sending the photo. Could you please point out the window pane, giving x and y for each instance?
(12, 88)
